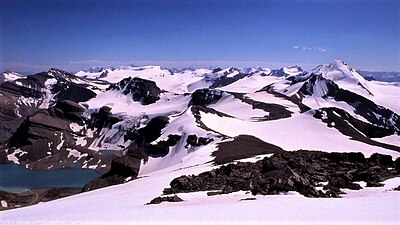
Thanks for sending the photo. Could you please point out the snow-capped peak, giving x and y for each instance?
(94, 69)
(292, 70)
(287, 71)
(9, 76)
(339, 72)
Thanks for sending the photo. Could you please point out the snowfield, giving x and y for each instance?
(294, 133)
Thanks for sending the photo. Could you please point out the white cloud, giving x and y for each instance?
(314, 48)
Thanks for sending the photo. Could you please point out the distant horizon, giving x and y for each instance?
(170, 65)
(74, 35)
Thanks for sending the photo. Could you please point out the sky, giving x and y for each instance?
(36, 35)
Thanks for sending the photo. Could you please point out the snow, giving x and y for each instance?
(251, 83)
(386, 94)
(176, 83)
(292, 70)
(74, 153)
(124, 105)
(392, 140)
(341, 73)
(75, 127)
(287, 88)
(13, 156)
(10, 76)
(62, 140)
(271, 99)
(28, 101)
(81, 141)
(228, 104)
(4, 204)
(255, 158)
(297, 132)
(48, 95)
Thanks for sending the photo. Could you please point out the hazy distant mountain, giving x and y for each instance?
(381, 76)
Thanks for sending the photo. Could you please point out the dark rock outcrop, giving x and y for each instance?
(149, 133)
(103, 118)
(141, 90)
(162, 147)
(243, 146)
(204, 97)
(122, 169)
(158, 200)
(34, 196)
(300, 171)
(226, 80)
(194, 141)
(45, 140)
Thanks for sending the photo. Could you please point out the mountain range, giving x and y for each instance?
(152, 128)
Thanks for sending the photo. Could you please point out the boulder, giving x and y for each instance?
(158, 200)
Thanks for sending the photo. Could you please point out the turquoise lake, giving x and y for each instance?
(16, 178)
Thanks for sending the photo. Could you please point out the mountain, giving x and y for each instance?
(380, 76)
(232, 128)
(287, 71)
(9, 76)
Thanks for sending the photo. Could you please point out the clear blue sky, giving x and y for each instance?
(38, 34)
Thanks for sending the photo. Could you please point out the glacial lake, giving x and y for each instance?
(16, 178)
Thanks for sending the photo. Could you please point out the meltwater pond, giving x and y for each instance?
(16, 178)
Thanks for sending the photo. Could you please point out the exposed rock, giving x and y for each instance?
(162, 147)
(72, 92)
(45, 139)
(122, 169)
(34, 196)
(384, 160)
(226, 80)
(194, 141)
(158, 200)
(248, 199)
(103, 118)
(144, 91)
(243, 146)
(150, 132)
(300, 171)
(397, 164)
(103, 182)
(204, 97)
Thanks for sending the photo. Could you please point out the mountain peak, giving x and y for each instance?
(9, 75)
(340, 72)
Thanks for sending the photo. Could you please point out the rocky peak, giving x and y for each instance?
(288, 71)
(144, 91)
(205, 97)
